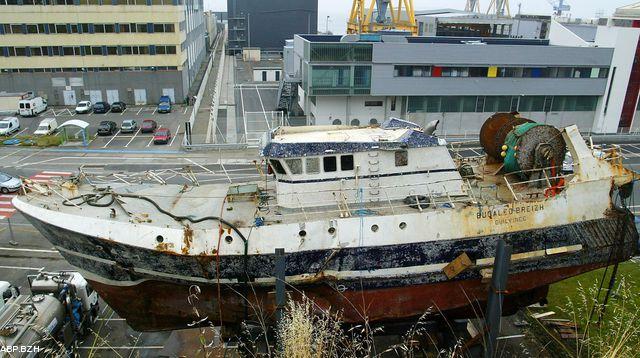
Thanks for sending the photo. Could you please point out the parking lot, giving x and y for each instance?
(174, 121)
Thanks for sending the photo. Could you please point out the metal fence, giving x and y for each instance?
(256, 124)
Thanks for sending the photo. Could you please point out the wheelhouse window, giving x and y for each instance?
(313, 165)
(346, 162)
(277, 166)
(402, 158)
(295, 165)
(330, 164)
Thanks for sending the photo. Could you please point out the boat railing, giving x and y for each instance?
(547, 181)
(338, 202)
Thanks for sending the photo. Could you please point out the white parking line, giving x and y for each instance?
(150, 141)
(17, 134)
(124, 110)
(29, 250)
(111, 140)
(185, 110)
(132, 138)
(12, 153)
(22, 268)
(29, 156)
(140, 110)
(107, 112)
(154, 111)
(175, 135)
(89, 114)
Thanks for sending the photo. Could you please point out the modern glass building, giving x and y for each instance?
(103, 50)
(460, 81)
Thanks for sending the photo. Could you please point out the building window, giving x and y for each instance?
(277, 75)
(61, 29)
(402, 158)
(373, 103)
(403, 71)
(329, 164)
(346, 162)
(264, 76)
(295, 165)
(312, 165)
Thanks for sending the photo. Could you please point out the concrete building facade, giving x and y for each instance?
(267, 24)
(619, 109)
(102, 50)
(457, 81)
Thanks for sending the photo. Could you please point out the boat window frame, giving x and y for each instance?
(277, 166)
(306, 165)
(324, 164)
(342, 166)
(290, 168)
(401, 158)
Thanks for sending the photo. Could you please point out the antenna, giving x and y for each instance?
(500, 8)
(472, 6)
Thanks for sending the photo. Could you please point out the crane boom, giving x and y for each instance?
(390, 15)
(472, 6)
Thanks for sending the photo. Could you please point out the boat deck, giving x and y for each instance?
(242, 204)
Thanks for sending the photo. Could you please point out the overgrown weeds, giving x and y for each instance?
(603, 330)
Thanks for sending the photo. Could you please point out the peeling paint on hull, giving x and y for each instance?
(149, 287)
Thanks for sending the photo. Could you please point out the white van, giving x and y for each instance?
(9, 125)
(46, 126)
(32, 106)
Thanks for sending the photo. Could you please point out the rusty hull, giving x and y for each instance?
(157, 305)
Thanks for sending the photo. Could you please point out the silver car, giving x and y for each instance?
(9, 184)
(129, 126)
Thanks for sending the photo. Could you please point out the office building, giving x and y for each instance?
(619, 108)
(460, 81)
(267, 24)
(103, 50)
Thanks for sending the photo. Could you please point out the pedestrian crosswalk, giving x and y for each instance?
(6, 207)
(46, 176)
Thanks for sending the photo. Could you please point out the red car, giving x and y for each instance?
(148, 126)
(162, 136)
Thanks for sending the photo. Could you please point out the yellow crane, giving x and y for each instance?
(401, 16)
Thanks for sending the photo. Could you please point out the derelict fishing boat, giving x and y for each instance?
(369, 218)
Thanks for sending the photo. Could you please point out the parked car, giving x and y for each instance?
(164, 105)
(32, 106)
(101, 107)
(148, 126)
(162, 136)
(9, 184)
(129, 126)
(46, 126)
(84, 107)
(118, 107)
(107, 128)
(9, 125)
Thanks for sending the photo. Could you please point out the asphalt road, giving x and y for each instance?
(23, 251)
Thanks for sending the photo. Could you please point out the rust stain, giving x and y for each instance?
(165, 247)
(187, 239)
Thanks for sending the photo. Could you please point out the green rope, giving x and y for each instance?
(512, 141)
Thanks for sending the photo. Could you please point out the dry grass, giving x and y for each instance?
(604, 331)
